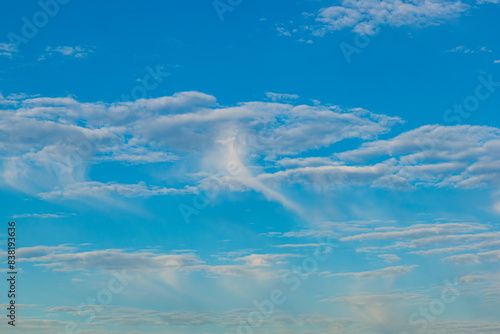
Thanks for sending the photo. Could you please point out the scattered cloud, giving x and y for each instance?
(265, 260)
(67, 51)
(279, 97)
(98, 189)
(378, 273)
(365, 17)
(49, 144)
(463, 49)
(363, 300)
(67, 258)
(7, 50)
(430, 156)
(390, 258)
(40, 215)
(419, 231)
(489, 256)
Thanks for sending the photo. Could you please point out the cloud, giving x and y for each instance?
(265, 260)
(364, 300)
(38, 251)
(40, 215)
(110, 259)
(426, 239)
(490, 256)
(463, 49)
(429, 156)
(279, 97)
(50, 144)
(378, 273)
(132, 317)
(418, 231)
(153, 264)
(490, 241)
(7, 50)
(301, 245)
(390, 258)
(98, 189)
(366, 16)
(337, 176)
(67, 51)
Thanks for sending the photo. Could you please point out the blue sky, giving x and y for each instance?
(251, 166)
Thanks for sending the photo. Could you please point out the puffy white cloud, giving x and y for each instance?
(50, 144)
(432, 155)
(366, 16)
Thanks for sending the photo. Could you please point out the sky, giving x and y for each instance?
(237, 166)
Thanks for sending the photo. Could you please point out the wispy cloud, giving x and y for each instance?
(489, 256)
(378, 273)
(67, 51)
(41, 215)
(463, 49)
(98, 189)
(7, 50)
(279, 97)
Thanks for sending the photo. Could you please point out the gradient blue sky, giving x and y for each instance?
(260, 147)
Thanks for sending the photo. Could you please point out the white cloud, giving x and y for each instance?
(67, 51)
(364, 300)
(366, 16)
(378, 273)
(489, 256)
(390, 258)
(40, 215)
(264, 260)
(419, 231)
(50, 144)
(149, 264)
(7, 50)
(300, 245)
(337, 176)
(38, 251)
(432, 155)
(432, 239)
(463, 49)
(279, 97)
(98, 189)
(109, 259)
